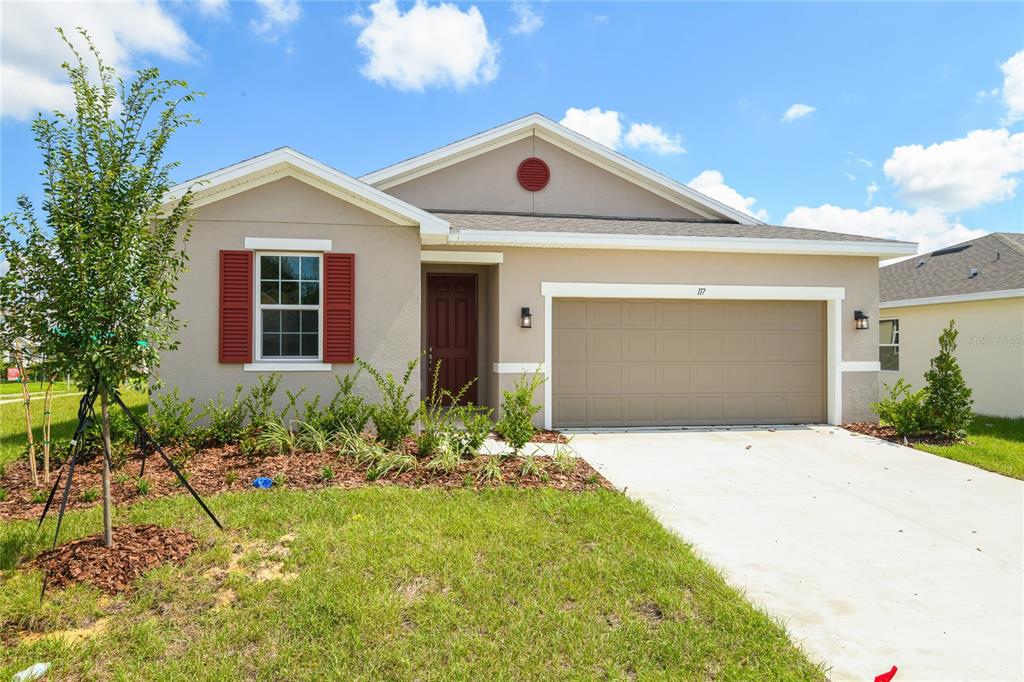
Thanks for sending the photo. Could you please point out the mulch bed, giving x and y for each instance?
(541, 436)
(887, 433)
(217, 470)
(136, 549)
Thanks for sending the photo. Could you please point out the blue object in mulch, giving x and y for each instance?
(262, 483)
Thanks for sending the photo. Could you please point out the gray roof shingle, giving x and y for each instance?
(998, 259)
(635, 226)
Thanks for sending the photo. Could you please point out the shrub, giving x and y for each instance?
(531, 466)
(476, 426)
(259, 404)
(171, 419)
(122, 429)
(361, 450)
(312, 438)
(88, 495)
(142, 487)
(564, 459)
(437, 414)
(948, 405)
(225, 422)
(326, 473)
(276, 438)
(391, 417)
(346, 411)
(447, 455)
(39, 496)
(490, 471)
(902, 409)
(517, 410)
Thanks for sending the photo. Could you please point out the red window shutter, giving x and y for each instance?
(236, 282)
(339, 307)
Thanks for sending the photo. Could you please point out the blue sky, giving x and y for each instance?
(912, 120)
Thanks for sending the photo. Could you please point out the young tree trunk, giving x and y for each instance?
(47, 405)
(20, 361)
(108, 531)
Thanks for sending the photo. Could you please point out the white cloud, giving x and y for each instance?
(652, 138)
(5, 266)
(217, 9)
(33, 52)
(865, 163)
(712, 183)
(929, 227)
(798, 111)
(850, 176)
(428, 46)
(959, 174)
(527, 21)
(1013, 88)
(604, 127)
(276, 17)
(871, 189)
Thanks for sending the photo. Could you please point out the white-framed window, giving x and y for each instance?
(288, 306)
(889, 345)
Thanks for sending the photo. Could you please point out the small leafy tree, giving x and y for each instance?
(97, 280)
(948, 405)
(515, 424)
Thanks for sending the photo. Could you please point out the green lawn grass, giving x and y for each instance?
(391, 583)
(993, 443)
(11, 389)
(65, 417)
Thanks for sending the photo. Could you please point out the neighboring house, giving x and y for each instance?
(980, 284)
(527, 247)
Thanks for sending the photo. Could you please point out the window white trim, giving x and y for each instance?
(833, 297)
(519, 367)
(292, 364)
(275, 244)
(956, 298)
(268, 366)
(466, 257)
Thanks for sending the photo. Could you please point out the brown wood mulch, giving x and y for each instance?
(887, 433)
(136, 549)
(541, 436)
(217, 470)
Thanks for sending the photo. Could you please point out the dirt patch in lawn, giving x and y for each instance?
(216, 470)
(887, 433)
(136, 549)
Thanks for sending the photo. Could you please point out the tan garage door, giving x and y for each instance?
(673, 363)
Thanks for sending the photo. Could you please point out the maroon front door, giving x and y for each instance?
(451, 332)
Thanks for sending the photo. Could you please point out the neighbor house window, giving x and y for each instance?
(288, 316)
(889, 345)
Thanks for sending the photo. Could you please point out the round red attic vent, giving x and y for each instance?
(533, 174)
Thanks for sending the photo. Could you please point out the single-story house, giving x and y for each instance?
(978, 283)
(526, 247)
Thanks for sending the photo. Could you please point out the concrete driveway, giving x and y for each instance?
(872, 554)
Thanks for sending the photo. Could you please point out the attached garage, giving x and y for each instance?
(652, 362)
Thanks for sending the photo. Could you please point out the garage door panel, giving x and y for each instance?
(640, 362)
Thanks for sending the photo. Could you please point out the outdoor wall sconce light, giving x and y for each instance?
(860, 320)
(526, 319)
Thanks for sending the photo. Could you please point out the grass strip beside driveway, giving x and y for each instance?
(993, 443)
(389, 583)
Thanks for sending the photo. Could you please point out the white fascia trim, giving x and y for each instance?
(833, 296)
(518, 367)
(582, 240)
(288, 162)
(861, 366)
(955, 298)
(566, 139)
(275, 244)
(287, 367)
(464, 257)
(697, 291)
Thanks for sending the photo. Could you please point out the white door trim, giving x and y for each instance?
(833, 296)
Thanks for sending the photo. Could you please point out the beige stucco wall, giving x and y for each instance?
(990, 349)
(523, 270)
(387, 285)
(488, 183)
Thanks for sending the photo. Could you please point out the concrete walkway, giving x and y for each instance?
(872, 554)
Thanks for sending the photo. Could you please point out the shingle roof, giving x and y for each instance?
(518, 222)
(998, 259)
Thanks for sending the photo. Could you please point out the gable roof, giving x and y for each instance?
(570, 141)
(554, 231)
(987, 267)
(286, 162)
